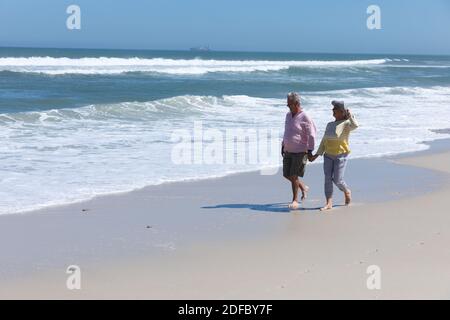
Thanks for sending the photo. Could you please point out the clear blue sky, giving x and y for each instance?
(409, 26)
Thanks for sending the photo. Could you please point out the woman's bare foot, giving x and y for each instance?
(293, 205)
(305, 192)
(328, 206)
(348, 197)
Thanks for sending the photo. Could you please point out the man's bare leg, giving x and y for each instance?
(295, 186)
(304, 188)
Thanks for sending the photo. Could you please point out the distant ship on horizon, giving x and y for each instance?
(201, 49)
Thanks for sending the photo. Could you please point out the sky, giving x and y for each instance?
(407, 26)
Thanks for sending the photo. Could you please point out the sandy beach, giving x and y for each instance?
(234, 238)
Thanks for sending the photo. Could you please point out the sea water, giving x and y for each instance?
(79, 123)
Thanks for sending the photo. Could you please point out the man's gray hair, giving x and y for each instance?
(294, 97)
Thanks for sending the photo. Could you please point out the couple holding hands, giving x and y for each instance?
(299, 143)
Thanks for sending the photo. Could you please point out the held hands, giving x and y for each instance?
(312, 158)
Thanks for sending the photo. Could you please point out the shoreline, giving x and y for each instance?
(165, 225)
(434, 146)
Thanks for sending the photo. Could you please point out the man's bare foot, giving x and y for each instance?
(305, 192)
(348, 197)
(293, 205)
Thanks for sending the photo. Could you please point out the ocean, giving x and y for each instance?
(79, 123)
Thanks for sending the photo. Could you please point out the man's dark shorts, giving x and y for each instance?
(294, 164)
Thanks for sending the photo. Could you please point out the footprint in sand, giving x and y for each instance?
(359, 262)
(373, 252)
(421, 243)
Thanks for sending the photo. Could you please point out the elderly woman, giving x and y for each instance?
(335, 149)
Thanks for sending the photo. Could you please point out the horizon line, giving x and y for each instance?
(222, 50)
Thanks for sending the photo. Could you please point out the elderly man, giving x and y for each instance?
(297, 147)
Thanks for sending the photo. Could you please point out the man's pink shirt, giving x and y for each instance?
(299, 133)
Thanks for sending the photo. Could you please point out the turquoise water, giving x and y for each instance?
(78, 123)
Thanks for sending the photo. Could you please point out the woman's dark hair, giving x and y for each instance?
(340, 105)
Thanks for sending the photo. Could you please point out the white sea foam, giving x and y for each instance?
(105, 65)
(66, 155)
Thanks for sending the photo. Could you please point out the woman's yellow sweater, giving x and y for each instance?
(335, 139)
